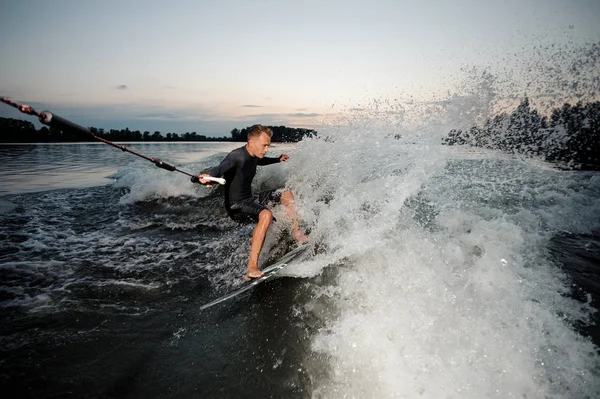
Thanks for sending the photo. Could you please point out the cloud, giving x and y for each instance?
(122, 87)
(276, 119)
(302, 115)
(161, 115)
(265, 115)
(250, 106)
(282, 116)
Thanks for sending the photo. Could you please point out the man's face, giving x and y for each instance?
(259, 146)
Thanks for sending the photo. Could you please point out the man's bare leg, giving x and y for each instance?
(289, 203)
(258, 238)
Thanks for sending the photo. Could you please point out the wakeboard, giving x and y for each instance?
(269, 272)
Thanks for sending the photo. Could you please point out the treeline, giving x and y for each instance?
(280, 134)
(570, 136)
(20, 131)
(136, 135)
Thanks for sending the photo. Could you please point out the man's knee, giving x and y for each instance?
(265, 216)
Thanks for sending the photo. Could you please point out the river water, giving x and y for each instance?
(433, 272)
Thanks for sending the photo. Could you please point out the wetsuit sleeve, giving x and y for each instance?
(267, 161)
(224, 166)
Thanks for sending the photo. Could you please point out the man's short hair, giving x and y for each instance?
(257, 130)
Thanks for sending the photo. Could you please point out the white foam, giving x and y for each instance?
(129, 283)
(147, 182)
(425, 318)
(446, 290)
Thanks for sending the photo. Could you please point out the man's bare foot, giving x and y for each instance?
(253, 273)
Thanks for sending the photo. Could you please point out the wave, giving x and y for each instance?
(445, 282)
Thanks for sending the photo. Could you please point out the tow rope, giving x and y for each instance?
(55, 121)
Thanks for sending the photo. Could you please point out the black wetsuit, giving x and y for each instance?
(239, 168)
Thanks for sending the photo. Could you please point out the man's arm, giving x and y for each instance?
(223, 167)
(220, 170)
(268, 160)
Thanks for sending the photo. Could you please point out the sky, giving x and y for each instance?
(212, 66)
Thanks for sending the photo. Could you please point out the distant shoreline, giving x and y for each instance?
(569, 137)
(140, 142)
(121, 142)
(22, 131)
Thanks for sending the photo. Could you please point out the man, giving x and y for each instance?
(239, 169)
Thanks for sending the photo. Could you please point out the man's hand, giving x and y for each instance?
(205, 182)
(284, 157)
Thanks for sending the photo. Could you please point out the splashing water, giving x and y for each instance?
(434, 272)
(444, 284)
